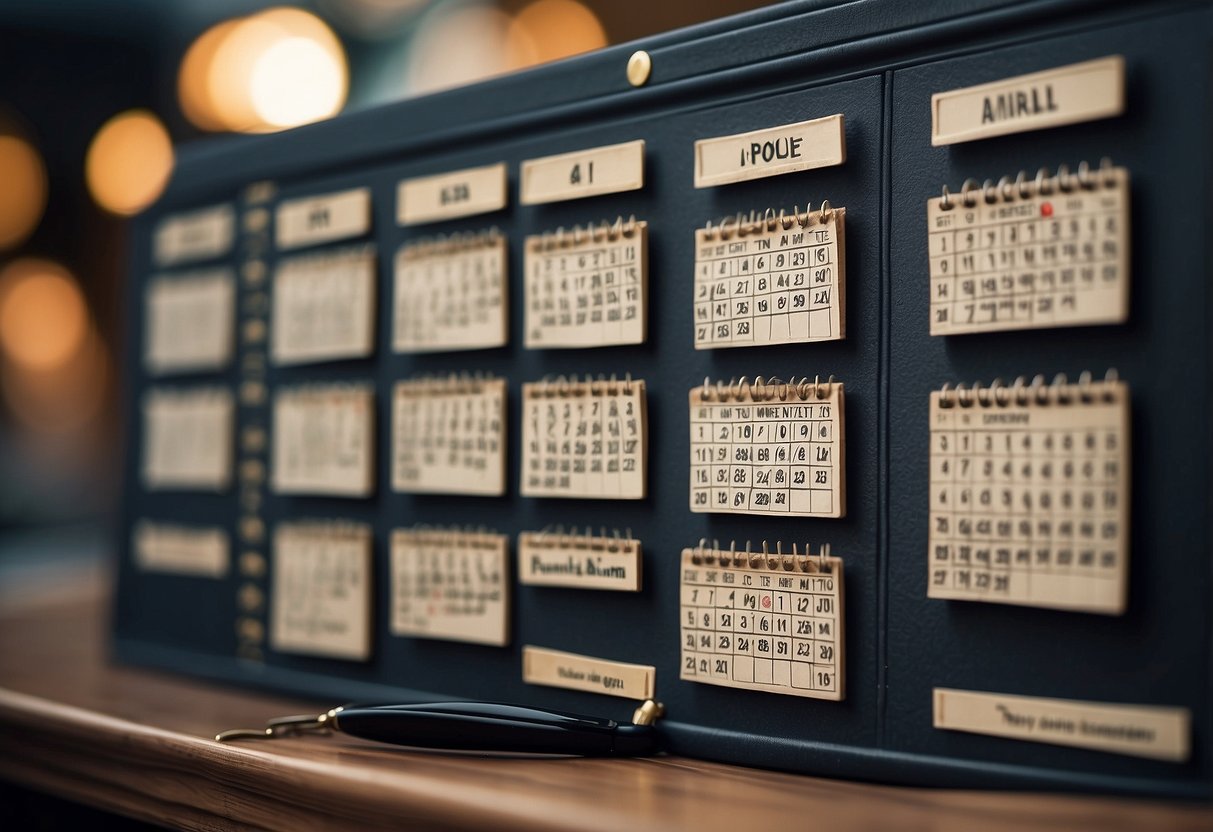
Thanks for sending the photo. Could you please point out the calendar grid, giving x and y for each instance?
(777, 281)
(1024, 260)
(774, 628)
(1029, 500)
(760, 453)
(587, 287)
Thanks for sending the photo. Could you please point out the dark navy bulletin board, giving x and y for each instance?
(877, 63)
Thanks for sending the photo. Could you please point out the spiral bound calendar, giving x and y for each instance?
(775, 279)
(768, 447)
(1031, 253)
(584, 438)
(448, 435)
(451, 584)
(452, 293)
(764, 621)
(1030, 494)
(586, 287)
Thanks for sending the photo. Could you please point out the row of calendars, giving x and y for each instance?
(1020, 253)
(760, 620)
(765, 446)
(1028, 485)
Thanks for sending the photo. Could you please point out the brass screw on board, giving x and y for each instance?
(639, 67)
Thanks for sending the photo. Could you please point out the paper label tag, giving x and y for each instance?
(459, 193)
(181, 550)
(1066, 95)
(324, 307)
(187, 439)
(198, 235)
(321, 594)
(451, 585)
(190, 321)
(1161, 733)
(557, 669)
(323, 219)
(579, 561)
(818, 143)
(592, 172)
(324, 441)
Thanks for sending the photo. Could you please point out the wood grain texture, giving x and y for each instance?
(137, 742)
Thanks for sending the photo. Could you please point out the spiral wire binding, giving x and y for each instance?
(554, 537)
(561, 386)
(1038, 391)
(467, 536)
(442, 244)
(334, 529)
(1022, 187)
(605, 231)
(328, 257)
(821, 563)
(742, 224)
(452, 383)
(767, 389)
(324, 390)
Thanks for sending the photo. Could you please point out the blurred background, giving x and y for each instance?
(96, 99)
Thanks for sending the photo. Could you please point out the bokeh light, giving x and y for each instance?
(129, 162)
(558, 29)
(43, 317)
(22, 190)
(464, 43)
(278, 68)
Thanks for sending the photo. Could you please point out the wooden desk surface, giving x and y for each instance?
(138, 743)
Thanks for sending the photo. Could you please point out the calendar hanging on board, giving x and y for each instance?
(587, 287)
(764, 621)
(768, 447)
(1031, 253)
(779, 278)
(1030, 494)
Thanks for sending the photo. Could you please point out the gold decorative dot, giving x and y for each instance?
(640, 66)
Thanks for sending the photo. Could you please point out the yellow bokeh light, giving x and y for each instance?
(43, 317)
(129, 162)
(278, 68)
(22, 190)
(193, 80)
(64, 401)
(559, 29)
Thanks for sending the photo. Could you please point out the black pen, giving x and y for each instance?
(475, 726)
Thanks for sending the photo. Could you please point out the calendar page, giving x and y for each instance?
(1031, 254)
(324, 440)
(772, 624)
(451, 585)
(452, 294)
(324, 307)
(587, 287)
(768, 448)
(1030, 496)
(448, 436)
(190, 321)
(778, 280)
(188, 439)
(584, 439)
(321, 594)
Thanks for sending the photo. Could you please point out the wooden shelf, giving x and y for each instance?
(138, 743)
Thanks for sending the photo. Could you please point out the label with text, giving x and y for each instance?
(1161, 733)
(199, 235)
(579, 561)
(459, 193)
(592, 172)
(323, 219)
(806, 145)
(557, 669)
(1065, 95)
(200, 552)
